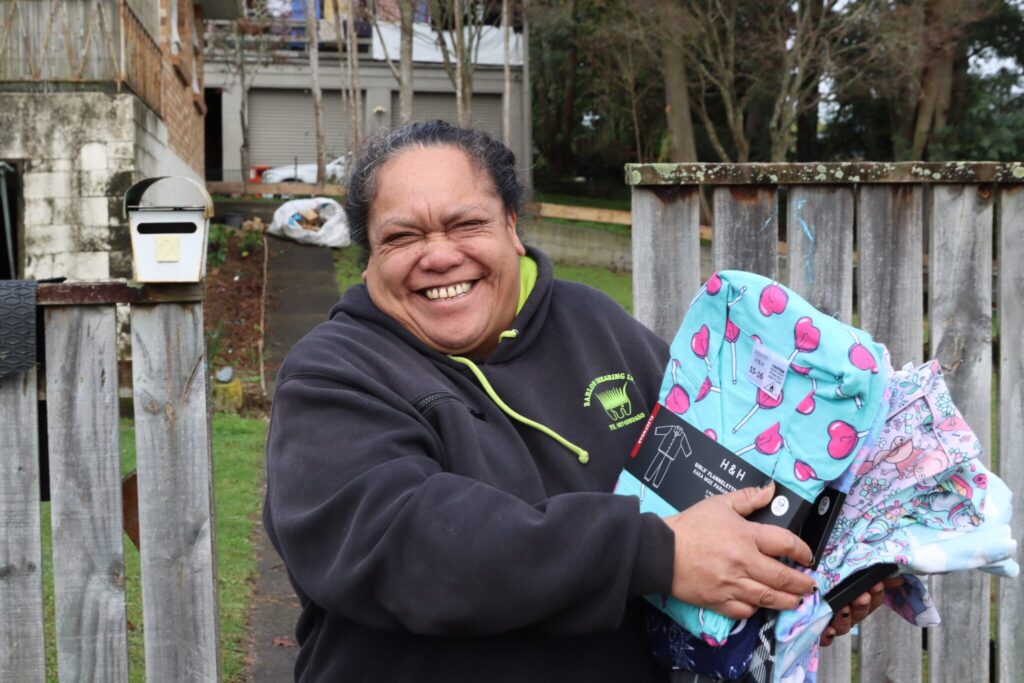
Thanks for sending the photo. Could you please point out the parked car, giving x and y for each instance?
(306, 173)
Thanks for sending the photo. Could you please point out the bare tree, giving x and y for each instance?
(506, 99)
(403, 73)
(458, 62)
(318, 104)
(405, 79)
(463, 104)
(352, 55)
(745, 50)
(678, 113)
(244, 49)
(347, 112)
(941, 32)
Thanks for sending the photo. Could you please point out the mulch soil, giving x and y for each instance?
(233, 316)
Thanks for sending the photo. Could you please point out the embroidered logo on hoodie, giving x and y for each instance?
(612, 393)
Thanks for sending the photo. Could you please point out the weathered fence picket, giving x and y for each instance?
(960, 337)
(888, 208)
(819, 231)
(1010, 593)
(820, 250)
(85, 488)
(174, 473)
(667, 238)
(746, 230)
(179, 601)
(21, 575)
(891, 294)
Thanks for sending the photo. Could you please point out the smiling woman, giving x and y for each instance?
(438, 483)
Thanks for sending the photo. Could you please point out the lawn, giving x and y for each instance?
(618, 203)
(238, 466)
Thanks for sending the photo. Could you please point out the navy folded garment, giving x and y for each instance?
(675, 648)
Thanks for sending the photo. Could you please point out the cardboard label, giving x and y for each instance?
(767, 370)
(684, 466)
(168, 248)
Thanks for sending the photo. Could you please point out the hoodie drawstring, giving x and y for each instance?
(580, 453)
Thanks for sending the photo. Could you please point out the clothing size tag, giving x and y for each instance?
(767, 370)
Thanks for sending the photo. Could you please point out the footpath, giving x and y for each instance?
(300, 291)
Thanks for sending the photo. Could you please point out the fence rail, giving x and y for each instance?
(885, 212)
(79, 372)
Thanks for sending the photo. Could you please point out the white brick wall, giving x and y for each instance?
(75, 265)
(94, 211)
(93, 183)
(48, 184)
(93, 156)
(53, 239)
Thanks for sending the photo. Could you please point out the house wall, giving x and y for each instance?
(182, 82)
(379, 87)
(78, 153)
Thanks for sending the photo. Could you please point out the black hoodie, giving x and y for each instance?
(432, 534)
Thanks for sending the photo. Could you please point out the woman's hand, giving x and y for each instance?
(725, 563)
(858, 610)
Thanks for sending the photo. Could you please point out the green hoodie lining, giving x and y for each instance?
(527, 279)
(580, 453)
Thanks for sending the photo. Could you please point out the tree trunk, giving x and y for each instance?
(807, 148)
(933, 107)
(506, 99)
(243, 109)
(346, 86)
(683, 147)
(527, 101)
(561, 153)
(352, 54)
(460, 102)
(318, 105)
(405, 82)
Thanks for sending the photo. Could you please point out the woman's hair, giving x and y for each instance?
(484, 152)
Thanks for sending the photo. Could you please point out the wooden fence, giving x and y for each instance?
(885, 214)
(172, 436)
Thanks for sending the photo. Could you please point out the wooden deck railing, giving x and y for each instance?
(972, 215)
(172, 437)
(81, 41)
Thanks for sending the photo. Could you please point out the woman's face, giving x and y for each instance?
(444, 255)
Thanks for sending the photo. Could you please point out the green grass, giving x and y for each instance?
(238, 465)
(618, 286)
(617, 203)
(347, 268)
(613, 228)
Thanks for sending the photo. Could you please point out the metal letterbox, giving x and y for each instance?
(169, 236)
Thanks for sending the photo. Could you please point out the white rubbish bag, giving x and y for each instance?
(319, 221)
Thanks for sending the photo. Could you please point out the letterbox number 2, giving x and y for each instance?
(168, 249)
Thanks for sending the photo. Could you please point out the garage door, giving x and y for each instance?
(282, 127)
(486, 113)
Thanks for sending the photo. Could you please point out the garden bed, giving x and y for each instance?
(234, 308)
